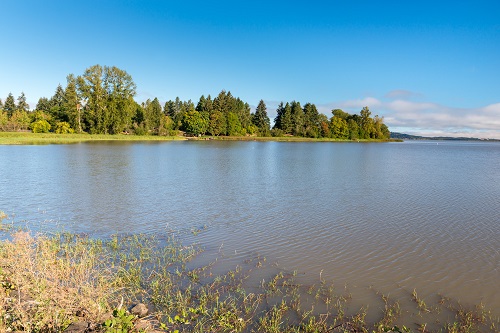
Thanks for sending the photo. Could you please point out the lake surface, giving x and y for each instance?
(395, 216)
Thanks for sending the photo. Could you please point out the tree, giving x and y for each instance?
(9, 105)
(19, 121)
(311, 121)
(72, 105)
(353, 128)
(4, 119)
(21, 103)
(1, 105)
(341, 114)
(107, 93)
(338, 128)
(205, 104)
(43, 104)
(56, 109)
(261, 120)
(297, 118)
(217, 123)
(194, 123)
(152, 114)
(366, 129)
(233, 124)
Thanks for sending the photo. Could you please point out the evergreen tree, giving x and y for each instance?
(261, 120)
(311, 121)
(72, 106)
(9, 105)
(217, 124)
(22, 105)
(43, 104)
(1, 105)
(152, 114)
(297, 118)
(205, 105)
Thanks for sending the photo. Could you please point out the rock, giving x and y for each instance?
(140, 310)
(78, 327)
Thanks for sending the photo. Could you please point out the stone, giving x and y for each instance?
(140, 310)
(78, 327)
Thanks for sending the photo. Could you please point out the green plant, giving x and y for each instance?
(120, 323)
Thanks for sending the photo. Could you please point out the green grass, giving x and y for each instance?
(28, 138)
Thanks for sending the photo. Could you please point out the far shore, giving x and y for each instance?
(28, 138)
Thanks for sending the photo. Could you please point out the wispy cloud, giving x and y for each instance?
(426, 118)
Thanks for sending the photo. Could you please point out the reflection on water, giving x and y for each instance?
(395, 216)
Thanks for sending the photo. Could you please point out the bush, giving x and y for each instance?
(40, 126)
(276, 132)
(64, 128)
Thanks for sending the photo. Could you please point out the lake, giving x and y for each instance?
(393, 216)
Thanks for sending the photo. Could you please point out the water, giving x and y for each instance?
(395, 216)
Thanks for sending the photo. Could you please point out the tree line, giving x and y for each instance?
(101, 101)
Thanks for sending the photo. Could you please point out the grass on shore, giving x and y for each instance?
(28, 138)
(48, 282)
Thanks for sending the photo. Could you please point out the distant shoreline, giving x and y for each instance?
(403, 136)
(28, 138)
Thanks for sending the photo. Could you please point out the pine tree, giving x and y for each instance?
(297, 118)
(311, 121)
(43, 104)
(72, 107)
(261, 120)
(21, 103)
(9, 105)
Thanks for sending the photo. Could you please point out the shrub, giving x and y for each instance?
(64, 128)
(40, 126)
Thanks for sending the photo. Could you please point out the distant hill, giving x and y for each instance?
(403, 136)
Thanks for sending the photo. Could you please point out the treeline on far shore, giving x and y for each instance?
(101, 101)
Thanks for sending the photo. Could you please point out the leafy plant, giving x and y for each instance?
(120, 323)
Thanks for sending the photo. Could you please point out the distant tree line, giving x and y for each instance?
(101, 101)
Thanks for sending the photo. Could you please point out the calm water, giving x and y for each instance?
(395, 216)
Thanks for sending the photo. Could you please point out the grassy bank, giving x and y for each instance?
(27, 138)
(48, 282)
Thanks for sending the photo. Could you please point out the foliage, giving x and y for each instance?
(9, 105)
(64, 128)
(40, 126)
(101, 101)
(261, 120)
(120, 323)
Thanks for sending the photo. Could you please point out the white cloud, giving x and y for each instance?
(427, 118)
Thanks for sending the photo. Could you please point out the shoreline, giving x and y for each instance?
(28, 138)
(54, 283)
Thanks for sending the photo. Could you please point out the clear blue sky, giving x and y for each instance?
(428, 67)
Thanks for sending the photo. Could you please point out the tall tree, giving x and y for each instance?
(22, 105)
(72, 105)
(107, 93)
(297, 118)
(366, 128)
(9, 105)
(311, 121)
(217, 124)
(1, 105)
(43, 104)
(261, 119)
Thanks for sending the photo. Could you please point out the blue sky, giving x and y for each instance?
(428, 67)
